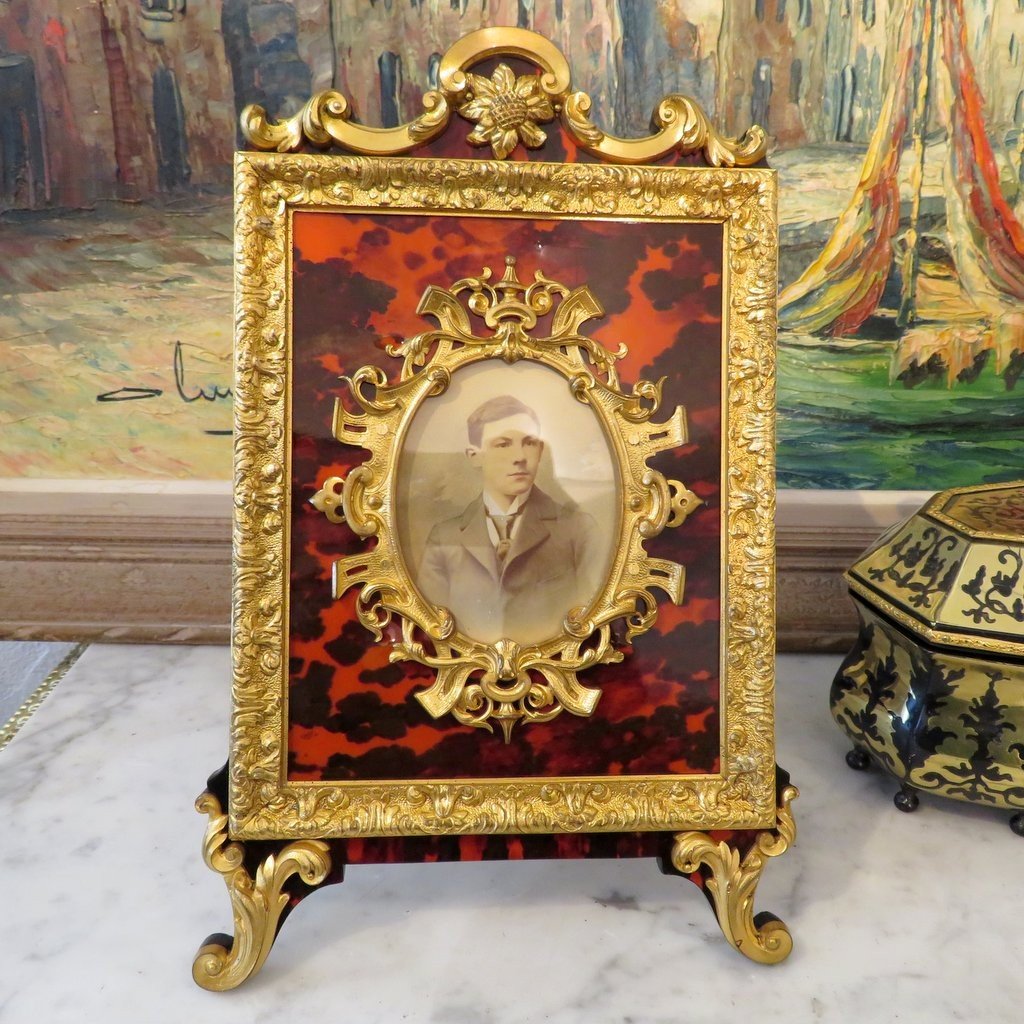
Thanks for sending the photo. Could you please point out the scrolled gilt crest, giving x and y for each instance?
(506, 681)
(506, 110)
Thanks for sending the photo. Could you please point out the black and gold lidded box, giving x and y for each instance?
(933, 690)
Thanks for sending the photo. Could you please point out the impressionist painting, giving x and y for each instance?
(897, 128)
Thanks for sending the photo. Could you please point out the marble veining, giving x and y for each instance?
(106, 899)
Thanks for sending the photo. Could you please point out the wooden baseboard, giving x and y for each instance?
(155, 566)
(813, 610)
(134, 567)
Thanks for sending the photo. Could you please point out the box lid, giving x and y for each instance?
(953, 573)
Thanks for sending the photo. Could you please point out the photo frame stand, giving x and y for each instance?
(267, 879)
(274, 843)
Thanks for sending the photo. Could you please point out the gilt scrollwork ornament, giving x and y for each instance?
(329, 499)
(257, 902)
(732, 883)
(506, 110)
(506, 682)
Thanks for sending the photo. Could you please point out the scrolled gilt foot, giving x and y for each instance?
(257, 903)
(733, 883)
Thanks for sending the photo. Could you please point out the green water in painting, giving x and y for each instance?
(842, 424)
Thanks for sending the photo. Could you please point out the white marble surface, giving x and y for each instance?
(104, 898)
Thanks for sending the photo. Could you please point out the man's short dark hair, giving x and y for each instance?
(499, 408)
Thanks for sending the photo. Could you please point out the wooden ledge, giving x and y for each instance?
(144, 563)
(139, 565)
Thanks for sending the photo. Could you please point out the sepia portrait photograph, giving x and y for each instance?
(507, 501)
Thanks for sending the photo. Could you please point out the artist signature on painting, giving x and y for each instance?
(188, 392)
(179, 381)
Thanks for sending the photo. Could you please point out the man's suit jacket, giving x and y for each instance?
(550, 568)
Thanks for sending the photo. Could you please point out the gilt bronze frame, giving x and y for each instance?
(499, 683)
(263, 803)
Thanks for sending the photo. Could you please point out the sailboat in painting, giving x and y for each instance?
(946, 307)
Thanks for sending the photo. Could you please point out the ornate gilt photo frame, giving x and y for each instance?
(504, 495)
(271, 190)
(517, 682)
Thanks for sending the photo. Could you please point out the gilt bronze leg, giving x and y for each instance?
(731, 883)
(260, 900)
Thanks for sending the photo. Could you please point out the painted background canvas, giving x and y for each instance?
(895, 126)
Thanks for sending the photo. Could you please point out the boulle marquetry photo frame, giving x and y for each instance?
(504, 497)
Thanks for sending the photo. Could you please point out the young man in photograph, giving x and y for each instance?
(516, 560)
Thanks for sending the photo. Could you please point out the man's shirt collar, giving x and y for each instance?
(494, 510)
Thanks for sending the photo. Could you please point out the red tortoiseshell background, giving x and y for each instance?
(357, 279)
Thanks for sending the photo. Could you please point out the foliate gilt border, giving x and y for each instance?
(263, 804)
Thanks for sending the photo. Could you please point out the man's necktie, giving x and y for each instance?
(503, 524)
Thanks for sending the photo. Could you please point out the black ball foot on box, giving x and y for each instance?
(859, 760)
(1017, 824)
(906, 800)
